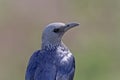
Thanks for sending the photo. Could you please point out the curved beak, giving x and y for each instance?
(70, 25)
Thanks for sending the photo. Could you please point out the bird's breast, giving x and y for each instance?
(66, 58)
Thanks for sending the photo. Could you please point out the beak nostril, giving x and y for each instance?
(68, 25)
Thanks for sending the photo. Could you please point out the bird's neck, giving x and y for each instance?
(51, 46)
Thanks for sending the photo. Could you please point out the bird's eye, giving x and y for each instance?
(56, 30)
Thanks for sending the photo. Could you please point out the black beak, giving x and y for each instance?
(70, 25)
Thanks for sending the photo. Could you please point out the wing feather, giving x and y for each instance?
(38, 69)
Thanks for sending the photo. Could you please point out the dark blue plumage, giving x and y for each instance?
(54, 61)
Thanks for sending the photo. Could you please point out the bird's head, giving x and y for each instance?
(53, 33)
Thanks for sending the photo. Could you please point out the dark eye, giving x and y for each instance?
(56, 30)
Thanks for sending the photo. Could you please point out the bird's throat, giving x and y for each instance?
(51, 45)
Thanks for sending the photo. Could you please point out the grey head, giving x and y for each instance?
(53, 33)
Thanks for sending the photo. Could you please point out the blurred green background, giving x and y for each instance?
(95, 44)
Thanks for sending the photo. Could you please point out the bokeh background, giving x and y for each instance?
(95, 44)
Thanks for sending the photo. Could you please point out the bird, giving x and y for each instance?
(53, 61)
